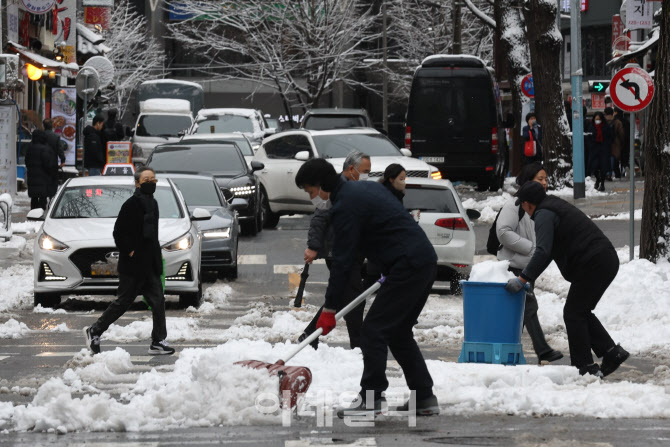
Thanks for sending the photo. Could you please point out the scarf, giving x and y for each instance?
(599, 133)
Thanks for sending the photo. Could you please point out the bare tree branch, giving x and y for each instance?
(483, 17)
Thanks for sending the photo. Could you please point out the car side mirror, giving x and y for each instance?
(406, 152)
(239, 204)
(181, 133)
(269, 131)
(473, 214)
(130, 132)
(302, 156)
(200, 214)
(35, 214)
(256, 166)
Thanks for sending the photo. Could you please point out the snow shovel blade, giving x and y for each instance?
(293, 379)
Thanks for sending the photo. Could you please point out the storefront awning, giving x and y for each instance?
(89, 42)
(41, 61)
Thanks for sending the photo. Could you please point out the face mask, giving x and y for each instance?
(598, 121)
(321, 204)
(363, 177)
(148, 188)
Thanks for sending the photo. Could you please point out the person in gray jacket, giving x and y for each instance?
(356, 167)
(517, 244)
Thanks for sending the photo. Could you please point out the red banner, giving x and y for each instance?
(97, 15)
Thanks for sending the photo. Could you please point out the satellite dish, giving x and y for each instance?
(88, 83)
(104, 67)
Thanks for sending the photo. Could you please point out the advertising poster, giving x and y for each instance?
(118, 152)
(64, 118)
(8, 121)
(639, 14)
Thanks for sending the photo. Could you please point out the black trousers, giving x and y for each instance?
(388, 325)
(585, 332)
(354, 319)
(38, 202)
(531, 320)
(129, 288)
(599, 163)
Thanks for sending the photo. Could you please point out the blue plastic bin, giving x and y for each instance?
(493, 320)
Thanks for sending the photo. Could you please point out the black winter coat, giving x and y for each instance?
(113, 131)
(41, 163)
(58, 147)
(95, 153)
(129, 236)
(367, 219)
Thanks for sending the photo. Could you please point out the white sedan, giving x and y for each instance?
(75, 251)
(437, 208)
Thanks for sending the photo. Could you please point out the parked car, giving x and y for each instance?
(226, 138)
(250, 122)
(220, 233)
(283, 154)
(226, 163)
(437, 208)
(454, 120)
(75, 252)
(324, 119)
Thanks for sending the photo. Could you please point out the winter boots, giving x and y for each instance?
(613, 359)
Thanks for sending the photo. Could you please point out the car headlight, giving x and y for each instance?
(181, 243)
(47, 242)
(242, 191)
(137, 151)
(218, 233)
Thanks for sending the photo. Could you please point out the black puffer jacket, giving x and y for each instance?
(129, 237)
(41, 163)
(95, 153)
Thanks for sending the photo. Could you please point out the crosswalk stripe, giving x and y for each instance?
(2, 357)
(252, 259)
(280, 269)
(57, 354)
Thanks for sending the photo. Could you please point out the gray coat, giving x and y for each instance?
(517, 237)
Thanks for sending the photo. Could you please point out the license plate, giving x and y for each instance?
(432, 159)
(103, 269)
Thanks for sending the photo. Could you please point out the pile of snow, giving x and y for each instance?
(47, 310)
(491, 271)
(178, 329)
(488, 207)
(590, 186)
(60, 328)
(7, 198)
(28, 226)
(215, 297)
(634, 309)
(13, 329)
(17, 287)
(16, 242)
(204, 390)
(637, 215)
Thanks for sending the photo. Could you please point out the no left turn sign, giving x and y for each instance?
(632, 89)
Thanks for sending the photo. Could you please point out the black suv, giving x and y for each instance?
(226, 163)
(454, 120)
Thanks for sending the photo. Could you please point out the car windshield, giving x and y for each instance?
(224, 124)
(244, 146)
(325, 122)
(162, 125)
(221, 159)
(341, 145)
(435, 200)
(198, 192)
(105, 201)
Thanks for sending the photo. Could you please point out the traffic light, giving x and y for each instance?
(598, 86)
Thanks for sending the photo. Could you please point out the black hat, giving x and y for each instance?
(532, 192)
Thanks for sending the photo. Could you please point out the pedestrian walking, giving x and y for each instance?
(532, 137)
(394, 179)
(618, 144)
(600, 148)
(58, 147)
(625, 146)
(320, 245)
(41, 164)
(95, 152)
(140, 264)
(112, 129)
(516, 234)
(586, 259)
(365, 217)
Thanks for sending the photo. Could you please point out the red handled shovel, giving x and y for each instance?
(297, 379)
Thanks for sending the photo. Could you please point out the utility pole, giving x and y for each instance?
(577, 110)
(385, 87)
(456, 47)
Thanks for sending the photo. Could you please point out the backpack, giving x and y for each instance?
(493, 244)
